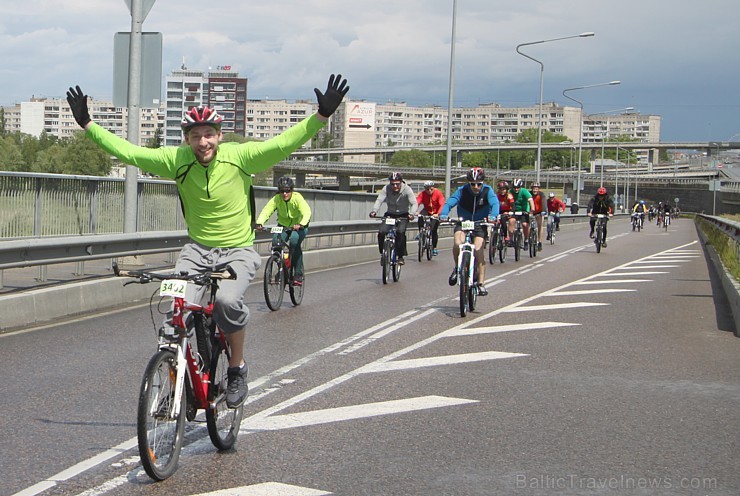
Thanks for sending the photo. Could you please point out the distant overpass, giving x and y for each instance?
(711, 147)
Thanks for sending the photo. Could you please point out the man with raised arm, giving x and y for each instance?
(214, 183)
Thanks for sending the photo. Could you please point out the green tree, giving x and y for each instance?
(411, 158)
(11, 158)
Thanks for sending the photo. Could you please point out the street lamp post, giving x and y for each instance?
(538, 164)
(580, 133)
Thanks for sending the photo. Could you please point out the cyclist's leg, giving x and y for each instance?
(384, 228)
(401, 226)
(296, 242)
(592, 223)
(434, 224)
(480, 258)
(230, 311)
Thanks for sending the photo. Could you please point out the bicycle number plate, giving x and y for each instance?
(468, 225)
(390, 221)
(173, 287)
(276, 230)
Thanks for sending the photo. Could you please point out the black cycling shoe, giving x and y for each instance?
(482, 291)
(603, 243)
(453, 277)
(591, 235)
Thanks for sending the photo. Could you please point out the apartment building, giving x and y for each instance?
(53, 116)
(268, 118)
(221, 89)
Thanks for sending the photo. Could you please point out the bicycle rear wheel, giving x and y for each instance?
(464, 283)
(160, 434)
(385, 261)
(274, 282)
(223, 422)
(493, 246)
(296, 291)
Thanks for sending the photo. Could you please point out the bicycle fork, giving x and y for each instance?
(466, 248)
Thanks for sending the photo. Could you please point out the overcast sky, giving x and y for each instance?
(675, 59)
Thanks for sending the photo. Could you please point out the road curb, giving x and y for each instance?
(729, 285)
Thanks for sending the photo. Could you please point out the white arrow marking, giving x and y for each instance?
(590, 291)
(470, 331)
(612, 282)
(415, 363)
(316, 417)
(556, 306)
(266, 489)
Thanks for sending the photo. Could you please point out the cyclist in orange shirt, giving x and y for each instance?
(431, 200)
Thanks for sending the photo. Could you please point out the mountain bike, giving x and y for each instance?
(187, 373)
(637, 220)
(280, 272)
(498, 232)
(533, 235)
(551, 227)
(425, 239)
(389, 256)
(601, 220)
(517, 239)
(467, 269)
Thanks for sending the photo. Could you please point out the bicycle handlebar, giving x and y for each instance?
(201, 279)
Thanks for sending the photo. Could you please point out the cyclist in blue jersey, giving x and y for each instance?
(474, 201)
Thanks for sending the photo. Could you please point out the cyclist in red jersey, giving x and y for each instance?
(539, 210)
(506, 206)
(431, 200)
(555, 206)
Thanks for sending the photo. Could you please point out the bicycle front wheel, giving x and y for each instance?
(396, 268)
(223, 422)
(464, 283)
(385, 261)
(422, 245)
(159, 431)
(274, 282)
(533, 240)
(429, 246)
(517, 239)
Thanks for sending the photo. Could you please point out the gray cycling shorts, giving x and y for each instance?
(230, 311)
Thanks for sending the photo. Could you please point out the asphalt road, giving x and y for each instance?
(580, 373)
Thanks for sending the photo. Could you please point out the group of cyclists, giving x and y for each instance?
(473, 201)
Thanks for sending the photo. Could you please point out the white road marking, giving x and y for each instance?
(470, 331)
(591, 291)
(267, 489)
(556, 306)
(618, 281)
(622, 274)
(339, 414)
(385, 332)
(415, 363)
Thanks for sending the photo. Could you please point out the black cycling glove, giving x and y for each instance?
(330, 100)
(78, 103)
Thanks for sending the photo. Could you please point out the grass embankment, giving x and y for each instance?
(724, 245)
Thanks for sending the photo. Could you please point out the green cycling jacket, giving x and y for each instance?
(215, 198)
(289, 213)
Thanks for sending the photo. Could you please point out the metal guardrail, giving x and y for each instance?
(728, 227)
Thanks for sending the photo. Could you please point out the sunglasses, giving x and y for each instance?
(395, 184)
(477, 185)
(283, 191)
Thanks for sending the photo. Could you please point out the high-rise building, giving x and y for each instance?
(221, 89)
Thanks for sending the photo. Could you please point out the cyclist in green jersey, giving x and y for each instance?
(214, 183)
(523, 202)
